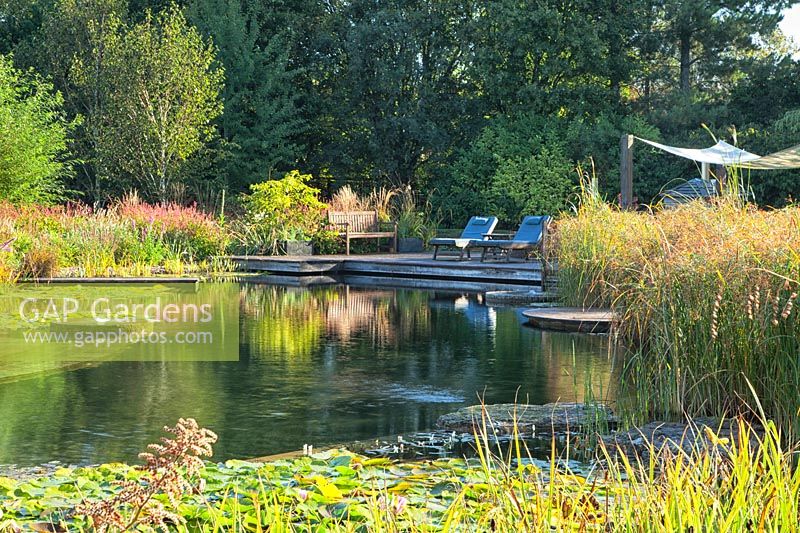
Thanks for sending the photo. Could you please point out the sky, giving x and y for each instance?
(791, 23)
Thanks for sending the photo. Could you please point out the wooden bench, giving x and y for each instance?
(361, 225)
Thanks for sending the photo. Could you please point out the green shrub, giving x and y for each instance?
(284, 209)
(33, 138)
(536, 184)
(327, 242)
(515, 168)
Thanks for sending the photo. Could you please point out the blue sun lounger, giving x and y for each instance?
(478, 228)
(529, 238)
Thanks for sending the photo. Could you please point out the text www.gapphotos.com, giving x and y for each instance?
(80, 339)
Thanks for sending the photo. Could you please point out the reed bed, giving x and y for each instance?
(706, 296)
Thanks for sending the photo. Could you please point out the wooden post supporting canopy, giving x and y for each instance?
(626, 171)
(705, 171)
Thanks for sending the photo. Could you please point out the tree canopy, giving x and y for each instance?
(162, 96)
(417, 92)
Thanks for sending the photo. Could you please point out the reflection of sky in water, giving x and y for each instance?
(478, 314)
(317, 366)
(422, 394)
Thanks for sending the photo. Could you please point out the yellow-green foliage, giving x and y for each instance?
(747, 483)
(706, 296)
(280, 210)
(742, 483)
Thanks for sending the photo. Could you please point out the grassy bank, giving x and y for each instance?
(707, 296)
(737, 485)
(127, 238)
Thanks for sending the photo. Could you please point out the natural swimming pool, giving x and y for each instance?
(317, 365)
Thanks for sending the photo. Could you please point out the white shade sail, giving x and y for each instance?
(726, 154)
(789, 158)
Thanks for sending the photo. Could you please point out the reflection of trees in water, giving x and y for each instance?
(293, 322)
(111, 410)
(282, 321)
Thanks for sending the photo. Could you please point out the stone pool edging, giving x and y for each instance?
(697, 434)
(502, 419)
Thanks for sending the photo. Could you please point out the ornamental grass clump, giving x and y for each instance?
(379, 199)
(413, 213)
(705, 293)
(746, 481)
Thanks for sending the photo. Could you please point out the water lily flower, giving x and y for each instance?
(396, 504)
(400, 503)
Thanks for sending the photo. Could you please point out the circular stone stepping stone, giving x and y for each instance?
(529, 297)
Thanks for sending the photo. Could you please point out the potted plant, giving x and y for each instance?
(415, 225)
(410, 245)
(295, 242)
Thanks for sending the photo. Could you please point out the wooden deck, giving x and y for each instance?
(571, 319)
(414, 266)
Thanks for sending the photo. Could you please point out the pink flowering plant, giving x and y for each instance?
(128, 237)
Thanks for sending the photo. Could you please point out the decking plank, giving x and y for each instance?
(395, 265)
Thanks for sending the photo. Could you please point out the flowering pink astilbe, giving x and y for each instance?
(167, 216)
(169, 470)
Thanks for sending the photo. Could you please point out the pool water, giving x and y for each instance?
(318, 366)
